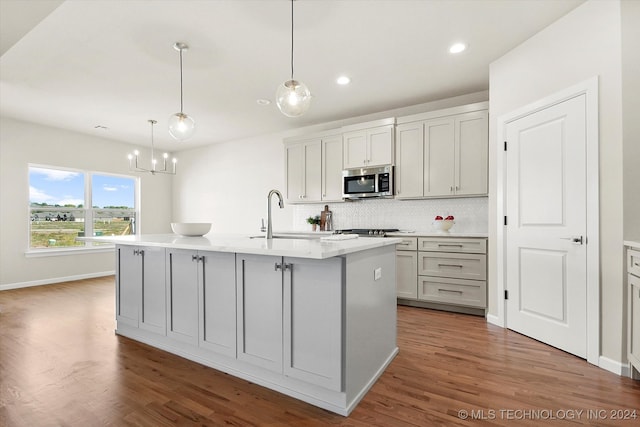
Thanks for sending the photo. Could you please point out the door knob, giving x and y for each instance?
(577, 240)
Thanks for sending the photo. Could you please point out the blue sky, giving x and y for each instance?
(55, 186)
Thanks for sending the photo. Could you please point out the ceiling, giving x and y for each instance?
(78, 64)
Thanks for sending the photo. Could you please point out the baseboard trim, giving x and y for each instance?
(55, 280)
(614, 366)
(494, 320)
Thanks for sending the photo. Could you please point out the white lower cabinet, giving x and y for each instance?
(140, 288)
(312, 315)
(259, 310)
(633, 279)
(407, 268)
(201, 299)
(448, 271)
(289, 314)
(218, 302)
(182, 295)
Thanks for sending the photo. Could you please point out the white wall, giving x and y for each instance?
(227, 184)
(22, 143)
(630, 115)
(583, 44)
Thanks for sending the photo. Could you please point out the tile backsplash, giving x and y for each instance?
(471, 214)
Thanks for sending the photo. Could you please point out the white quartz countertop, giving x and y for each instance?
(431, 233)
(632, 244)
(315, 248)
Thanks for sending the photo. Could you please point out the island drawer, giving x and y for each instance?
(633, 262)
(457, 266)
(452, 244)
(408, 244)
(472, 293)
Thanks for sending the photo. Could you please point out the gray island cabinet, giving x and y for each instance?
(320, 327)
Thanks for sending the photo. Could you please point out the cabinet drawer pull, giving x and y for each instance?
(450, 265)
(194, 258)
(636, 264)
(449, 290)
(449, 245)
(278, 266)
(404, 243)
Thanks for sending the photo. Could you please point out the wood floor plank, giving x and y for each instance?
(62, 365)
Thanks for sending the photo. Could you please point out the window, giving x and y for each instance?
(65, 204)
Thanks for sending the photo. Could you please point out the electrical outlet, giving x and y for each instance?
(377, 273)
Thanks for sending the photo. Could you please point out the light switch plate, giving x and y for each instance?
(377, 273)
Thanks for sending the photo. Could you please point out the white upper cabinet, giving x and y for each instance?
(444, 155)
(303, 172)
(332, 169)
(472, 157)
(368, 144)
(314, 168)
(410, 160)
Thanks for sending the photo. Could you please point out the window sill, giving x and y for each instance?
(37, 253)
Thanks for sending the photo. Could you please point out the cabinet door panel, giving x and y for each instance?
(154, 306)
(128, 285)
(355, 149)
(183, 295)
(472, 136)
(380, 145)
(294, 158)
(218, 296)
(313, 321)
(407, 274)
(409, 160)
(634, 320)
(332, 169)
(259, 311)
(312, 172)
(439, 151)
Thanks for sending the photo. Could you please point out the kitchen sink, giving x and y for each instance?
(289, 236)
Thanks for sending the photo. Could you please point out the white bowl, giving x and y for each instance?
(443, 224)
(191, 228)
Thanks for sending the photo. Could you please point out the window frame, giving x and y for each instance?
(88, 210)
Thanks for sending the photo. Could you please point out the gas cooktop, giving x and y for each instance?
(373, 232)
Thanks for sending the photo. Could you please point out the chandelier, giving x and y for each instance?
(134, 165)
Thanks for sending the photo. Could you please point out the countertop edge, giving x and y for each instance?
(632, 244)
(300, 248)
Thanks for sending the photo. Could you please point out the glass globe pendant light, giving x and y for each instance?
(181, 126)
(293, 97)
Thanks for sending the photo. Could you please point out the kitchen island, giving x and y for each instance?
(313, 319)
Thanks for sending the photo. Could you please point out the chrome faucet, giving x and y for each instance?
(280, 203)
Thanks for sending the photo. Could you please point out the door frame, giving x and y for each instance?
(589, 88)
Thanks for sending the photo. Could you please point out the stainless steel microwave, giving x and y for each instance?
(359, 183)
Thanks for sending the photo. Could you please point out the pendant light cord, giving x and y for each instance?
(181, 109)
(153, 155)
(291, 39)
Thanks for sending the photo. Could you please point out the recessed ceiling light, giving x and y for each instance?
(457, 48)
(343, 80)
(263, 101)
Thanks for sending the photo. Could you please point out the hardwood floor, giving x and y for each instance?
(62, 365)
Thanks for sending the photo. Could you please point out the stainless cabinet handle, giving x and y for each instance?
(277, 267)
(141, 252)
(450, 265)
(194, 257)
(449, 245)
(287, 266)
(449, 290)
(404, 243)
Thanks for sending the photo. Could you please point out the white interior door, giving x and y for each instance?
(546, 257)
